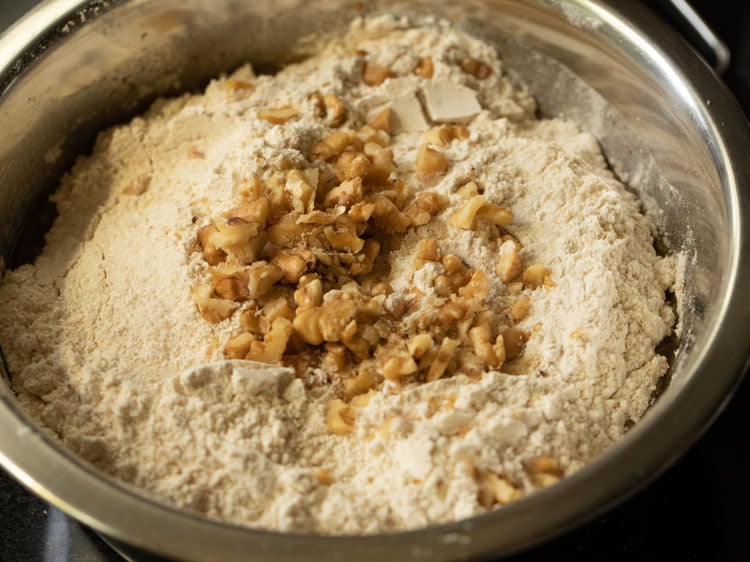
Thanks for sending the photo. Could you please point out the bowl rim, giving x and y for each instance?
(114, 509)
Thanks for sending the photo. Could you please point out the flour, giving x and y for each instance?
(101, 334)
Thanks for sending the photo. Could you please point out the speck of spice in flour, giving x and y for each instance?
(100, 332)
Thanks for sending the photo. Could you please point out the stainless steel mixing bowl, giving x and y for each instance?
(667, 125)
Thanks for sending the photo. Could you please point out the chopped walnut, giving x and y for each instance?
(381, 289)
(239, 346)
(508, 266)
(351, 165)
(323, 477)
(443, 135)
(212, 309)
(340, 417)
(493, 489)
(466, 216)
(468, 190)
(492, 354)
(543, 464)
(534, 275)
(382, 162)
(292, 265)
(495, 214)
(425, 68)
(348, 193)
(239, 89)
(237, 238)
(543, 471)
(458, 274)
(426, 204)
(476, 68)
(514, 342)
(362, 211)
(211, 253)
(478, 286)
(361, 400)
(287, 232)
(302, 185)
(429, 164)
(419, 345)
(429, 250)
(381, 121)
(252, 319)
(260, 278)
(343, 236)
(309, 294)
(255, 212)
(400, 363)
(443, 286)
(519, 310)
(365, 261)
(335, 111)
(363, 381)
(230, 284)
(374, 74)
(449, 313)
(387, 215)
(443, 357)
(273, 346)
(336, 143)
(278, 115)
(327, 322)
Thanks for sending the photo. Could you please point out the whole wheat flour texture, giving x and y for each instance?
(101, 332)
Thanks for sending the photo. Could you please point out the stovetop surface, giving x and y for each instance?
(698, 510)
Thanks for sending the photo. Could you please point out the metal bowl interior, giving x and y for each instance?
(667, 126)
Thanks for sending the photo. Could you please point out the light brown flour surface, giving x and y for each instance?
(98, 331)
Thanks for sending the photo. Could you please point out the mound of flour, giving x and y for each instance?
(100, 332)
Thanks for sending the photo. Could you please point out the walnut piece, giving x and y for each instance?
(429, 250)
(476, 68)
(493, 489)
(425, 68)
(261, 277)
(543, 471)
(491, 354)
(350, 165)
(211, 253)
(212, 309)
(466, 216)
(278, 115)
(443, 135)
(336, 143)
(426, 204)
(443, 357)
(335, 110)
(514, 342)
(374, 74)
(520, 310)
(508, 266)
(381, 121)
(534, 275)
(398, 366)
(340, 417)
(429, 164)
(230, 284)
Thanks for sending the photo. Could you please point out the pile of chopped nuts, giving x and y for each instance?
(303, 257)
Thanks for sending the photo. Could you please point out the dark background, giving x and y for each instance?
(699, 510)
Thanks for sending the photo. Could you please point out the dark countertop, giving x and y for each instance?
(697, 510)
